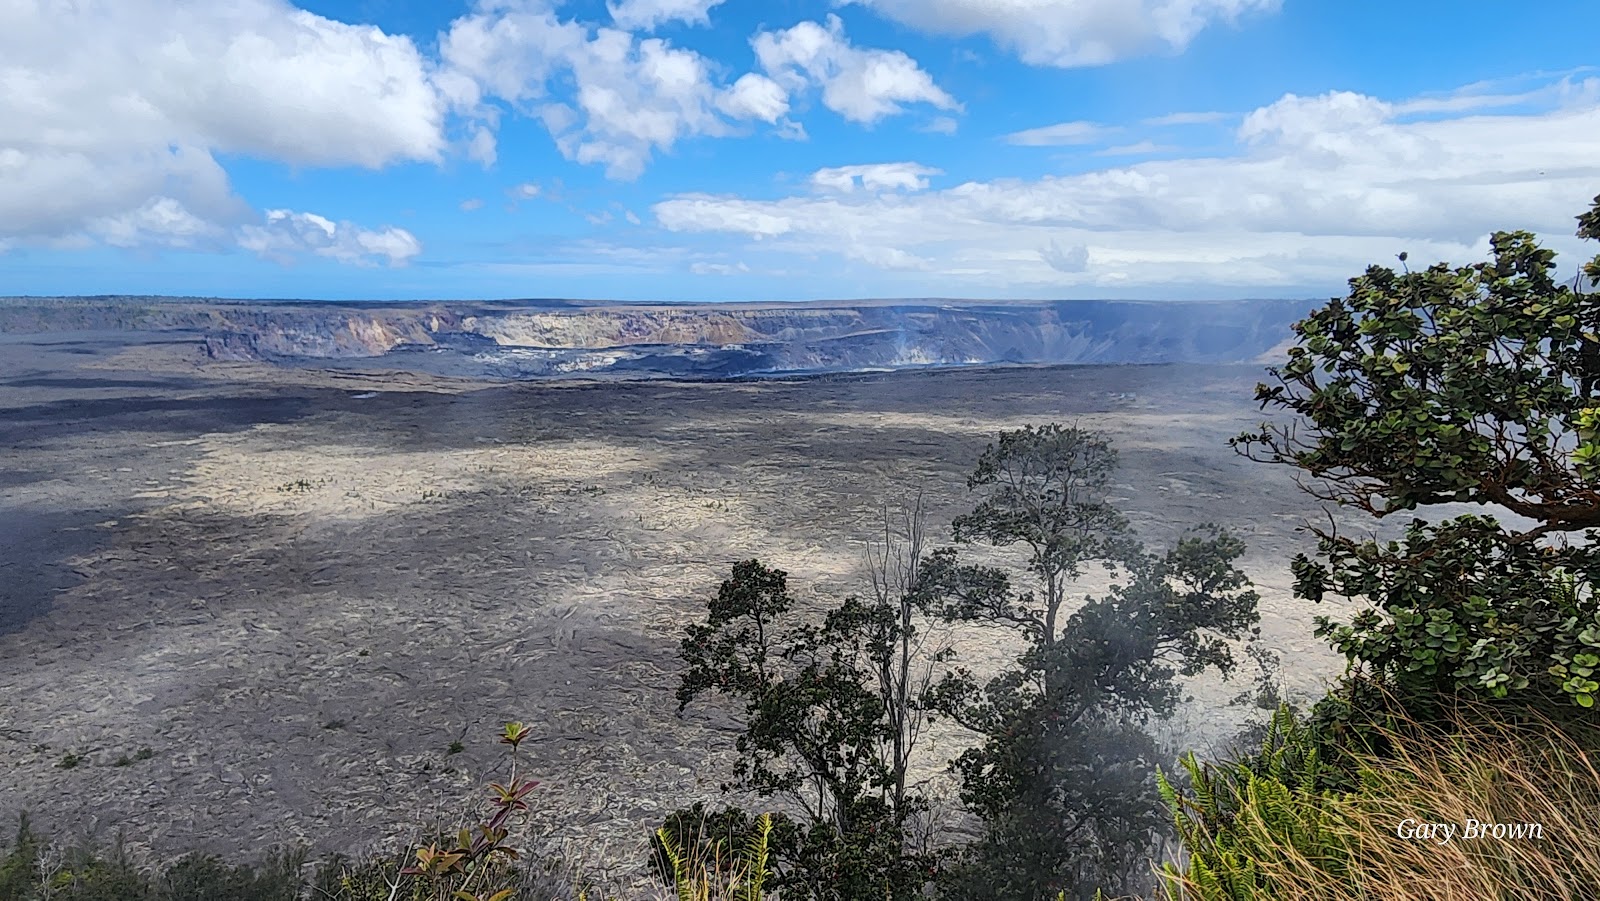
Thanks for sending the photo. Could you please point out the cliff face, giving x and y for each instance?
(534, 338)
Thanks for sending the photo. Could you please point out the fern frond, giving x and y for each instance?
(680, 874)
(755, 858)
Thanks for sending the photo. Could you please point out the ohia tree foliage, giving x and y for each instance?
(1456, 384)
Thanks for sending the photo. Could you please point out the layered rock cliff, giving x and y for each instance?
(522, 339)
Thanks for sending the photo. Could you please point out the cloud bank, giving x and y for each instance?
(112, 114)
(1318, 188)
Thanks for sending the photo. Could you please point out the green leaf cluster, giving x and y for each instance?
(1242, 821)
(1472, 384)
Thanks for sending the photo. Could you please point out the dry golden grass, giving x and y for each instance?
(1488, 771)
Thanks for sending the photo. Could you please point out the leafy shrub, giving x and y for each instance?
(1461, 608)
(202, 877)
(33, 871)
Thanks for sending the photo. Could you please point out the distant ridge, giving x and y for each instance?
(554, 337)
(592, 303)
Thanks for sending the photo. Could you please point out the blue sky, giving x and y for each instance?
(690, 150)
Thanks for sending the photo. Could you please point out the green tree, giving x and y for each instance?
(1042, 489)
(1063, 777)
(831, 717)
(19, 868)
(1466, 384)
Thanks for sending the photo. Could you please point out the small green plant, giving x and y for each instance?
(128, 760)
(456, 747)
(738, 876)
(69, 761)
(474, 864)
(1239, 820)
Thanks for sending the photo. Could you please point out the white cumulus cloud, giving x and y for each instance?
(161, 221)
(111, 114)
(507, 50)
(707, 213)
(286, 234)
(874, 177)
(754, 96)
(631, 96)
(1317, 189)
(644, 15)
(1070, 33)
(862, 85)
(253, 76)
